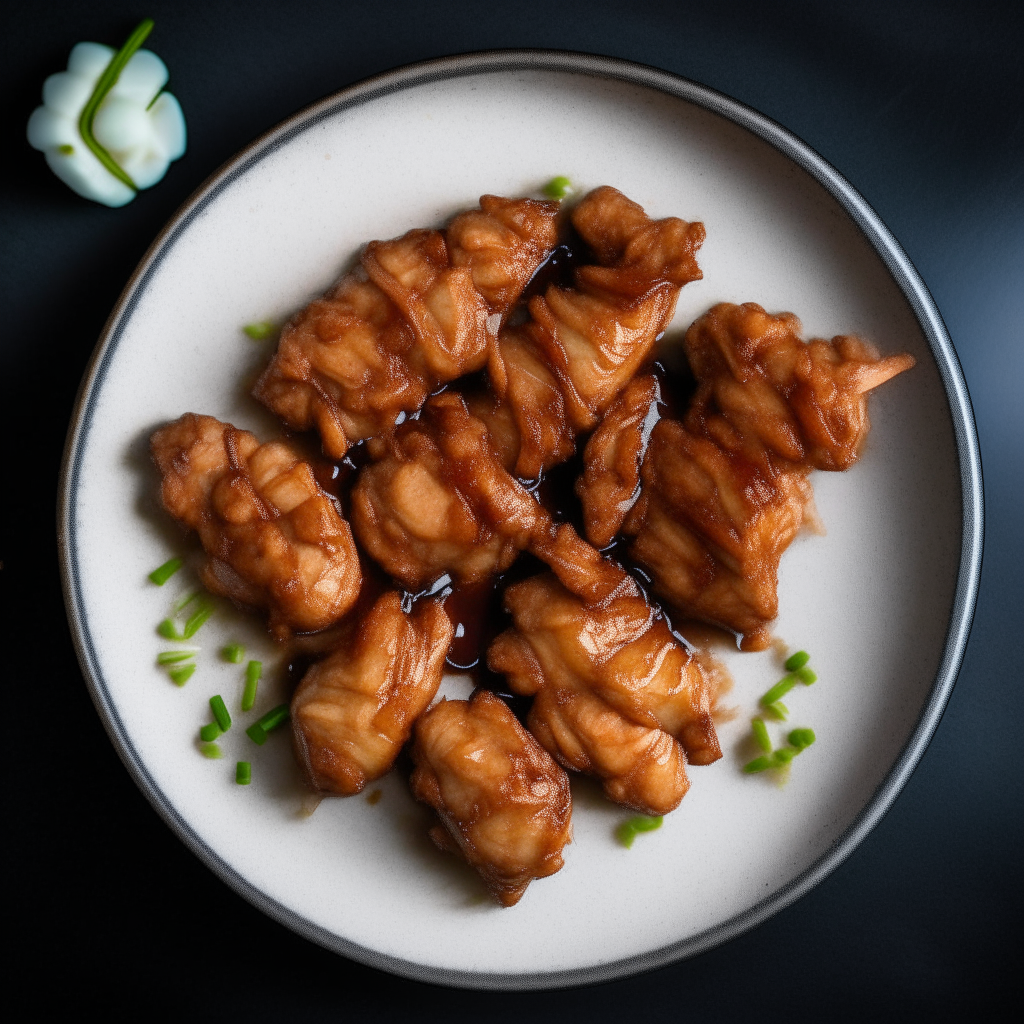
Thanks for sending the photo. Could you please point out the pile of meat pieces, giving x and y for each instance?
(709, 502)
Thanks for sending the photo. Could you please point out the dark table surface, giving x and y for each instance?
(921, 107)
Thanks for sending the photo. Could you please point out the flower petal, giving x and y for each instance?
(48, 130)
(168, 125)
(66, 94)
(121, 123)
(90, 61)
(142, 78)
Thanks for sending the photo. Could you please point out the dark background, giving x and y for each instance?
(920, 106)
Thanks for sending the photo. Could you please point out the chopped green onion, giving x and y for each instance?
(233, 653)
(801, 738)
(168, 630)
(196, 619)
(806, 675)
(778, 711)
(260, 331)
(782, 757)
(253, 671)
(764, 741)
(181, 675)
(173, 657)
(798, 660)
(558, 188)
(780, 689)
(211, 750)
(759, 764)
(103, 86)
(210, 732)
(243, 773)
(184, 601)
(268, 723)
(166, 571)
(220, 712)
(628, 830)
(257, 734)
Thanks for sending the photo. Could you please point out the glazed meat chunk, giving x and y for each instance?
(762, 387)
(616, 695)
(438, 500)
(559, 372)
(503, 802)
(610, 484)
(273, 538)
(711, 527)
(409, 318)
(354, 711)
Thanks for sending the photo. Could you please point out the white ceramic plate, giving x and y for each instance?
(883, 602)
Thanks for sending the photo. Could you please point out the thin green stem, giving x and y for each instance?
(106, 82)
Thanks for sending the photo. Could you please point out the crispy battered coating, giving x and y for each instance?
(616, 696)
(274, 539)
(354, 711)
(420, 310)
(437, 500)
(561, 370)
(724, 492)
(762, 387)
(503, 802)
(610, 484)
(711, 526)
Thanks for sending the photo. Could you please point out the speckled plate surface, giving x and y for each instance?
(883, 602)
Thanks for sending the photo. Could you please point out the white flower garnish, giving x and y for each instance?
(141, 128)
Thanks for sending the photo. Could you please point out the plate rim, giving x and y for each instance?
(900, 269)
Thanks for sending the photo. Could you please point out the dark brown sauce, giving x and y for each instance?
(477, 610)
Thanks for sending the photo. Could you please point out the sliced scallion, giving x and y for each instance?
(243, 773)
(211, 750)
(798, 660)
(760, 731)
(629, 830)
(173, 657)
(778, 711)
(268, 723)
(782, 757)
(801, 739)
(182, 674)
(759, 764)
(253, 671)
(779, 690)
(233, 653)
(261, 330)
(220, 712)
(210, 732)
(168, 630)
(806, 675)
(195, 621)
(558, 187)
(161, 575)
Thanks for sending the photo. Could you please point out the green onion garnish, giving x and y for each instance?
(184, 601)
(166, 571)
(801, 738)
(105, 83)
(270, 721)
(211, 750)
(780, 689)
(782, 757)
(210, 732)
(558, 188)
(220, 712)
(798, 660)
(778, 711)
(233, 653)
(628, 830)
(195, 621)
(243, 773)
(761, 734)
(168, 630)
(806, 675)
(759, 764)
(181, 675)
(260, 331)
(253, 671)
(173, 657)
